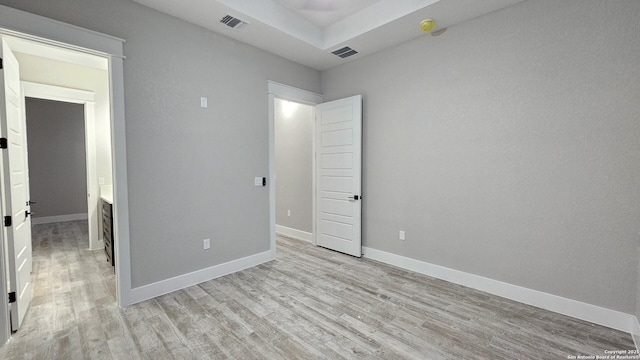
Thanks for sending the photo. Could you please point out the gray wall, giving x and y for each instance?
(637, 312)
(190, 169)
(508, 147)
(57, 162)
(293, 152)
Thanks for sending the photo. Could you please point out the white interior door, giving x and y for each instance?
(338, 172)
(15, 187)
(23, 113)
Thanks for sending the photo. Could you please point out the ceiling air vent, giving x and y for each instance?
(233, 22)
(345, 52)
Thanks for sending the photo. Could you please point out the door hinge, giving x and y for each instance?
(7, 221)
(1, 66)
(12, 297)
(4, 143)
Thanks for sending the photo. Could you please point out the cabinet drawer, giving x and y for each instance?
(108, 252)
(107, 231)
(108, 249)
(106, 217)
(106, 227)
(106, 209)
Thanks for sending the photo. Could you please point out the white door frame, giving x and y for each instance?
(25, 25)
(286, 92)
(86, 98)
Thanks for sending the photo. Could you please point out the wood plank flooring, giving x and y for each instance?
(310, 303)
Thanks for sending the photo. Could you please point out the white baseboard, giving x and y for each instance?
(156, 289)
(592, 313)
(58, 218)
(294, 233)
(636, 333)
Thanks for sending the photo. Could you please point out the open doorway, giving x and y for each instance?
(75, 46)
(63, 102)
(336, 167)
(294, 169)
(280, 96)
(46, 74)
(57, 160)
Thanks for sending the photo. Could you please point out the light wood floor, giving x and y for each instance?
(310, 303)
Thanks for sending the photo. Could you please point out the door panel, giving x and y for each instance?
(338, 175)
(337, 137)
(342, 184)
(15, 187)
(27, 220)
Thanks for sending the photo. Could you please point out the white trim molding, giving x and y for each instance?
(294, 233)
(576, 309)
(58, 218)
(57, 93)
(635, 334)
(176, 283)
(287, 92)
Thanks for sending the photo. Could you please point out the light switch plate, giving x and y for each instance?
(206, 244)
(203, 102)
(257, 181)
(401, 235)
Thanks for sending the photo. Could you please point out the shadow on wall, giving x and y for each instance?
(293, 158)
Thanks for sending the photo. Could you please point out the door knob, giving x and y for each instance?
(27, 213)
(355, 197)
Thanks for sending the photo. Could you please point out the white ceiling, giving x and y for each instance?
(325, 12)
(306, 31)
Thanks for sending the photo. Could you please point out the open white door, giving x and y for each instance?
(14, 186)
(338, 172)
(28, 203)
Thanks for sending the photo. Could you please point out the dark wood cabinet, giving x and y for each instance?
(107, 231)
